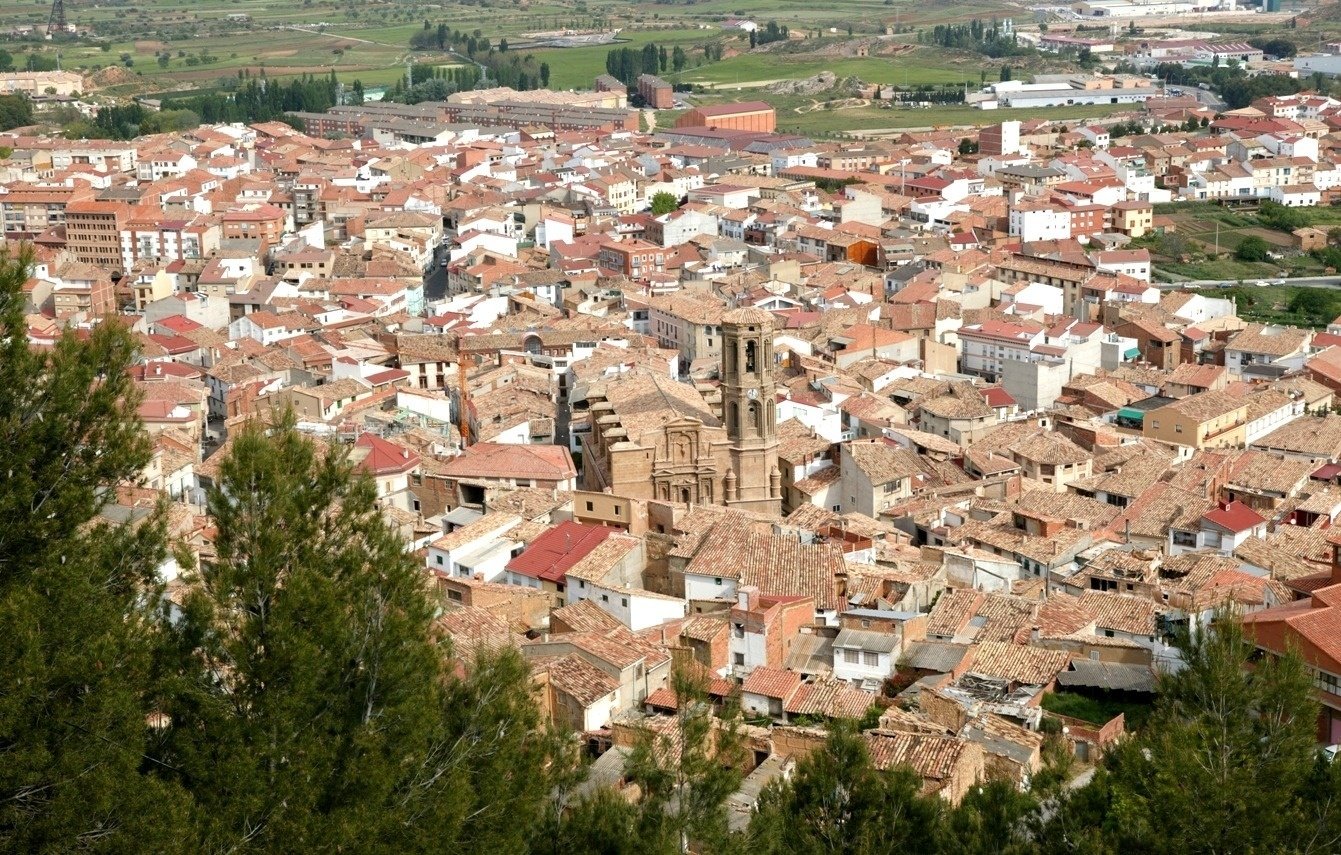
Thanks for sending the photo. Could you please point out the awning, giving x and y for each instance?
(1131, 413)
(1132, 353)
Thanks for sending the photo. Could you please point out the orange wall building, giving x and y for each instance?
(744, 116)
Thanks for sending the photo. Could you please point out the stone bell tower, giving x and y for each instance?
(750, 409)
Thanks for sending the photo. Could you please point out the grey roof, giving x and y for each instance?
(811, 655)
(882, 614)
(605, 771)
(861, 639)
(939, 656)
(1114, 676)
(740, 804)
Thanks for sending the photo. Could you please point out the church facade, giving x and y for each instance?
(654, 438)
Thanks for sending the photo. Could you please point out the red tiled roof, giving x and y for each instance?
(772, 683)
(551, 554)
(1235, 517)
(385, 458)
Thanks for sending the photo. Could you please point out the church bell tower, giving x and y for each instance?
(749, 407)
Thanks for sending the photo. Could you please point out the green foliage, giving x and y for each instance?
(664, 202)
(1234, 85)
(838, 802)
(1225, 764)
(1316, 303)
(992, 819)
(1282, 217)
(685, 771)
(76, 665)
(1252, 248)
(16, 111)
(1096, 710)
(312, 707)
(983, 37)
(1277, 47)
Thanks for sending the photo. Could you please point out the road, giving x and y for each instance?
(1205, 97)
(1303, 282)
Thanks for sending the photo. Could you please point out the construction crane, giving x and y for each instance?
(56, 21)
(462, 399)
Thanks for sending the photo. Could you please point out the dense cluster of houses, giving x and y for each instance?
(875, 431)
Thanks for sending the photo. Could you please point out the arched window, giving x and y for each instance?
(750, 358)
(755, 417)
(684, 495)
(733, 416)
(731, 361)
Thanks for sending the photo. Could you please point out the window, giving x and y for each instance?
(738, 630)
(870, 659)
(852, 657)
(581, 584)
(1327, 682)
(605, 598)
(717, 580)
(590, 506)
(617, 510)
(1184, 538)
(865, 624)
(738, 658)
(438, 558)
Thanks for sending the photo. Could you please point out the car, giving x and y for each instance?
(1262, 283)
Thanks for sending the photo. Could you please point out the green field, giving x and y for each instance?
(871, 120)
(1289, 305)
(367, 40)
(921, 67)
(575, 68)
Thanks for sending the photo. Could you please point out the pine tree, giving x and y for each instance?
(315, 711)
(76, 664)
(838, 802)
(1224, 765)
(685, 771)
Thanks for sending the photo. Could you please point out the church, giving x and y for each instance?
(653, 437)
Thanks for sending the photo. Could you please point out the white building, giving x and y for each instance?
(864, 657)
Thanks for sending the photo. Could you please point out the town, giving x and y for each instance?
(961, 442)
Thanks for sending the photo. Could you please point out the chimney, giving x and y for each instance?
(747, 597)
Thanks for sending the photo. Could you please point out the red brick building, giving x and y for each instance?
(745, 116)
(655, 92)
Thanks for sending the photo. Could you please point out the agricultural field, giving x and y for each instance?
(863, 118)
(1289, 305)
(204, 40)
(1205, 236)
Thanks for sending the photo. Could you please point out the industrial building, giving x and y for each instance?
(1060, 90)
(744, 116)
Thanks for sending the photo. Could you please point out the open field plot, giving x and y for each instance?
(1226, 231)
(1282, 304)
(758, 69)
(875, 120)
(203, 41)
(575, 68)
(838, 14)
